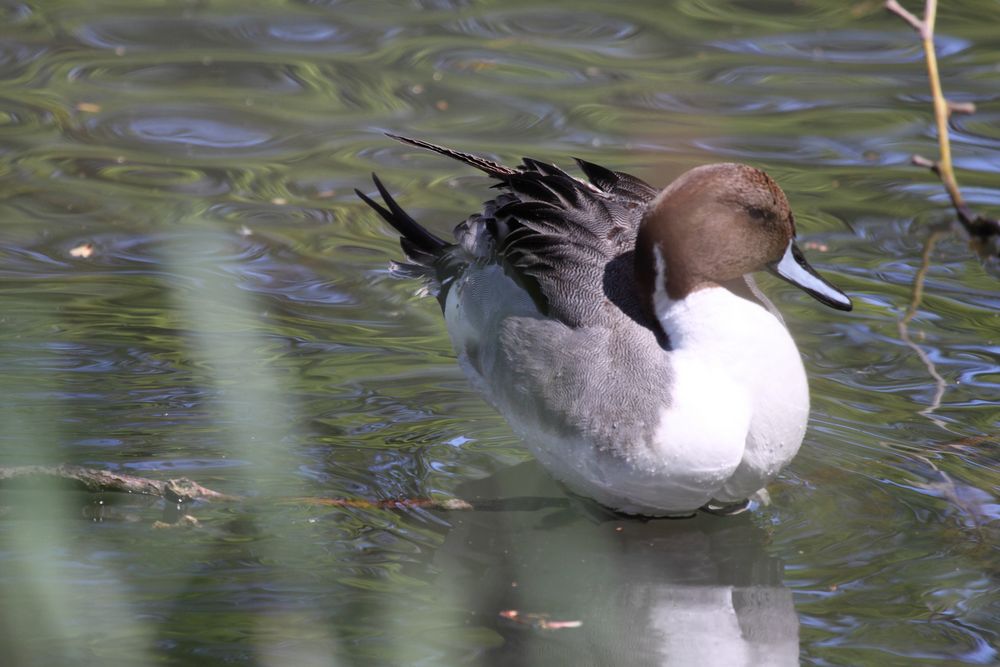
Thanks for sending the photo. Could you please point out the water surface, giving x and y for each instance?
(235, 323)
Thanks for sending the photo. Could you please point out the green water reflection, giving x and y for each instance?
(236, 324)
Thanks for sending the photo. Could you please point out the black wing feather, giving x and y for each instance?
(616, 183)
(557, 236)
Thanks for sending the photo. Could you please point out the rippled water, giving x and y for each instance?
(235, 323)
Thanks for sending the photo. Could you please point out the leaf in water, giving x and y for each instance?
(537, 621)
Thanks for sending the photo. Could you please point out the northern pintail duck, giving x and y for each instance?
(618, 328)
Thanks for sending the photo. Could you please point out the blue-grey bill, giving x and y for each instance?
(794, 268)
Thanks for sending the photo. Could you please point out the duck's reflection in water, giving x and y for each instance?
(700, 592)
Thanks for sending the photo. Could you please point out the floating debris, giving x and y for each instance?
(538, 621)
(82, 251)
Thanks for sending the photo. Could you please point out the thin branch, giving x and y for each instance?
(977, 225)
(902, 12)
(941, 113)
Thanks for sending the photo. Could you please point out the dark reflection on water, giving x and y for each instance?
(231, 319)
(700, 591)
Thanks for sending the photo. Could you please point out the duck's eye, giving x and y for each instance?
(758, 213)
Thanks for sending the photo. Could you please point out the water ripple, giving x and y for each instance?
(979, 129)
(193, 130)
(265, 33)
(552, 28)
(842, 46)
(811, 149)
(275, 78)
(183, 128)
(19, 116)
(700, 103)
(799, 78)
(474, 111)
(256, 214)
(15, 56)
(505, 66)
(143, 176)
(12, 13)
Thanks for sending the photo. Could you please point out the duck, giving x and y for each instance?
(618, 328)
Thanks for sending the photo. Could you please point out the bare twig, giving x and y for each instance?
(898, 9)
(977, 225)
(961, 107)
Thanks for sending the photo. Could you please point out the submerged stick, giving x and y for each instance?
(181, 489)
(978, 226)
(446, 504)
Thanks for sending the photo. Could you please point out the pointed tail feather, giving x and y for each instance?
(428, 257)
(411, 230)
(494, 169)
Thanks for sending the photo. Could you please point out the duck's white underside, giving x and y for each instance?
(736, 414)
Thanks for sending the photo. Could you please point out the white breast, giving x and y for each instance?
(726, 342)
